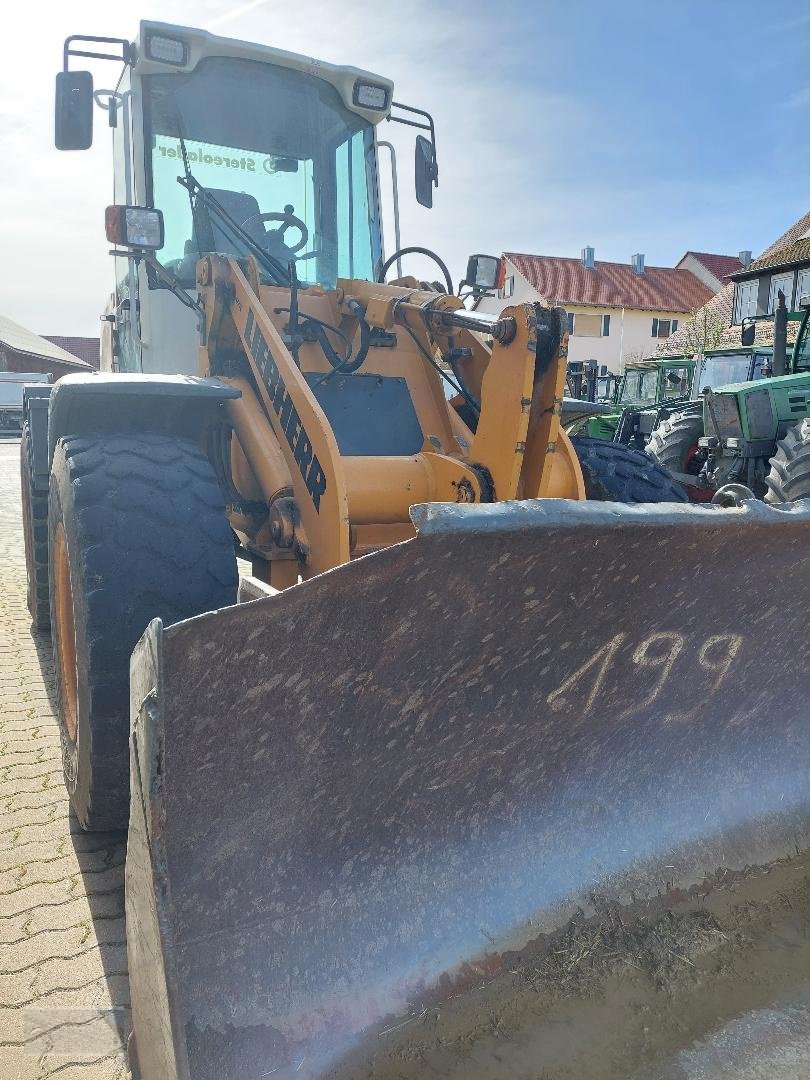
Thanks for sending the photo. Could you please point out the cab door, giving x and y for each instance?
(121, 339)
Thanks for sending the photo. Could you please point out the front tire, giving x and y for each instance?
(789, 476)
(136, 530)
(674, 445)
(617, 473)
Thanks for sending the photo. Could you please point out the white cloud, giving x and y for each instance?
(524, 165)
(56, 273)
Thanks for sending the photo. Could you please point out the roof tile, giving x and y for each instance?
(20, 340)
(719, 265)
(86, 348)
(609, 284)
(797, 252)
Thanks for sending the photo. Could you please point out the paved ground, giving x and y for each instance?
(63, 964)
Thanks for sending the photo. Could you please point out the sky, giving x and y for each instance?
(631, 126)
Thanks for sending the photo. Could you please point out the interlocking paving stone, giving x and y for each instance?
(63, 985)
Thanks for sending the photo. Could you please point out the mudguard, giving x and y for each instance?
(383, 821)
(120, 402)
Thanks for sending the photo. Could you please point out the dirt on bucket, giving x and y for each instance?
(694, 992)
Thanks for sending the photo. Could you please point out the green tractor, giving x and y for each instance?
(750, 425)
(645, 388)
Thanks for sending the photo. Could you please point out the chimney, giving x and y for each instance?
(587, 257)
(637, 262)
(745, 258)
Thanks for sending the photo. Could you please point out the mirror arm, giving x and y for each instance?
(429, 126)
(127, 49)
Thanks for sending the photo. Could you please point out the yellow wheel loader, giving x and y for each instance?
(452, 798)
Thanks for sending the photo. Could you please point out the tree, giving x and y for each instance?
(703, 330)
(634, 356)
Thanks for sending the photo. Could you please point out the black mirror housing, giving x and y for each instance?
(483, 272)
(73, 118)
(748, 332)
(425, 171)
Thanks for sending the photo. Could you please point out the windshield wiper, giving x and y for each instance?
(278, 272)
(276, 269)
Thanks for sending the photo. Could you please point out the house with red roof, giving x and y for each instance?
(617, 312)
(751, 291)
(86, 348)
(23, 351)
(713, 270)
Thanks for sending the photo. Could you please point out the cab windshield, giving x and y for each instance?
(263, 140)
(639, 387)
(717, 371)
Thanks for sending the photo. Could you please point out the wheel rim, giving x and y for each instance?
(65, 631)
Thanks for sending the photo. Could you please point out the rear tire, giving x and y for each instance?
(789, 476)
(617, 473)
(136, 530)
(35, 537)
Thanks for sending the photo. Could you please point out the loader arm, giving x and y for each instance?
(519, 383)
(301, 429)
(339, 453)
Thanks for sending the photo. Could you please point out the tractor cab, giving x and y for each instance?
(726, 366)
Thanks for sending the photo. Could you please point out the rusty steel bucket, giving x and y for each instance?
(500, 801)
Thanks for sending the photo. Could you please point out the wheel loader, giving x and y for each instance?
(451, 798)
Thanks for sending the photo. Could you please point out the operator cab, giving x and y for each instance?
(246, 150)
(298, 177)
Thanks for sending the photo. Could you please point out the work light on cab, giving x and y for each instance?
(370, 95)
(134, 226)
(166, 50)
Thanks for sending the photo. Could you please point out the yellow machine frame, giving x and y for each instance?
(326, 508)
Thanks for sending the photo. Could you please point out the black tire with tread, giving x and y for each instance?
(674, 438)
(789, 476)
(35, 531)
(617, 473)
(146, 536)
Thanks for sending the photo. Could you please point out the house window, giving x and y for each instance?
(785, 283)
(745, 300)
(803, 287)
(588, 326)
(662, 328)
(508, 287)
(583, 325)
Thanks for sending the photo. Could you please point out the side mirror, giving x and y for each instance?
(425, 172)
(73, 126)
(134, 226)
(748, 332)
(482, 273)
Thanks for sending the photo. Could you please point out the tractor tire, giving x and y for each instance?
(136, 530)
(35, 537)
(617, 473)
(674, 446)
(789, 476)
(673, 443)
